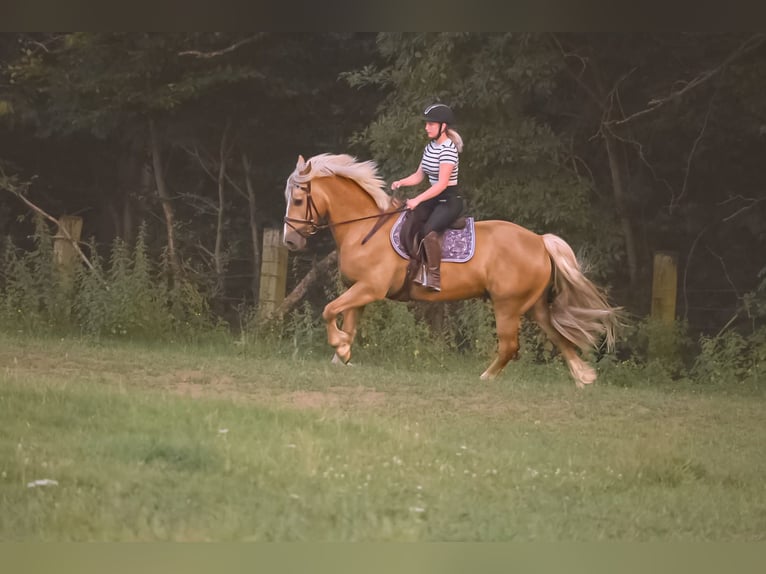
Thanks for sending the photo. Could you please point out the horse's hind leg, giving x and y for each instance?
(507, 323)
(351, 319)
(581, 371)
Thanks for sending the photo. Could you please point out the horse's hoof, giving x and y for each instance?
(585, 379)
(583, 374)
(338, 360)
(588, 377)
(486, 376)
(344, 352)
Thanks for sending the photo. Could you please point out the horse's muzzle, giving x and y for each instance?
(294, 241)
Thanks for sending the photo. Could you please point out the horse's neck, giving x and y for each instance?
(346, 202)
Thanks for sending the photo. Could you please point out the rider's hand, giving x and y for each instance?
(396, 185)
(412, 204)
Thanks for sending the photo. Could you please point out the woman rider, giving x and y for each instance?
(437, 207)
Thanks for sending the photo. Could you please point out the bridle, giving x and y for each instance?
(311, 219)
(313, 222)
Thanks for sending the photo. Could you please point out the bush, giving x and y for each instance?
(389, 331)
(129, 299)
(469, 327)
(299, 334)
(731, 358)
(665, 348)
(34, 296)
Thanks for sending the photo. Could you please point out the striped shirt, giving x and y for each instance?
(435, 154)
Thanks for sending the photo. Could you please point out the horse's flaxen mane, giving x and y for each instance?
(364, 173)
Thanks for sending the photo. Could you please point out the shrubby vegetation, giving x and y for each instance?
(126, 297)
(129, 297)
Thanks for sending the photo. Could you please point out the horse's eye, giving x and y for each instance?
(297, 202)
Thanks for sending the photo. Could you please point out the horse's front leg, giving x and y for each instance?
(351, 319)
(349, 304)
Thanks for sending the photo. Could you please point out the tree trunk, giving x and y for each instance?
(133, 181)
(167, 205)
(301, 288)
(618, 188)
(255, 232)
(220, 278)
(127, 220)
(617, 169)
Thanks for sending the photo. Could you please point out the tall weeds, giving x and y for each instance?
(126, 297)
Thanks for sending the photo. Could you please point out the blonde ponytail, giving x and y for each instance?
(456, 139)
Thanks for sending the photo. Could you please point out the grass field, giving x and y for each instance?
(208, 444)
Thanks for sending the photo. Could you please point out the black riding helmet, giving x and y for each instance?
(440, 113)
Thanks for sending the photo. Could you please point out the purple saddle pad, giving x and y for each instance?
(458, 245)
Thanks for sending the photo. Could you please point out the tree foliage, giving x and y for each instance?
(624, 144)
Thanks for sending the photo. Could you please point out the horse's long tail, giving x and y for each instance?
(580, 310)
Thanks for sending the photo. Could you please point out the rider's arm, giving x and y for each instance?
(412, 179)
(445, 172)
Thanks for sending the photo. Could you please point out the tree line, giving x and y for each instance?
(624, 144)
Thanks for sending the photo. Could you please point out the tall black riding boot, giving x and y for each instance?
(433, 247)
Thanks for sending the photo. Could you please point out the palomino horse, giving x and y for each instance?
(521, 271)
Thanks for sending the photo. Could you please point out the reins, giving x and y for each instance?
(314, 226)
(382, 218)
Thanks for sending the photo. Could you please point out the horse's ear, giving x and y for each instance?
(301, 162)
(306, 170)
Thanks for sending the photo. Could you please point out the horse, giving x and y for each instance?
(522, 272)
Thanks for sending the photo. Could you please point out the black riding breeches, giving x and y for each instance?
(437, 213)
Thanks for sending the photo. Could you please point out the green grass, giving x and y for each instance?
(209, 444)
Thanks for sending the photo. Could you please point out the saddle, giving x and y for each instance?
(457, 240)
(457, 243)
(411, 239)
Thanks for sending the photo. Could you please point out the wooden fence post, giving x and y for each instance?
(64, 253)
(664, 286)
(273, 271)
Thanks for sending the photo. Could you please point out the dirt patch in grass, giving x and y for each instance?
(199, 384)
(341, 397)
